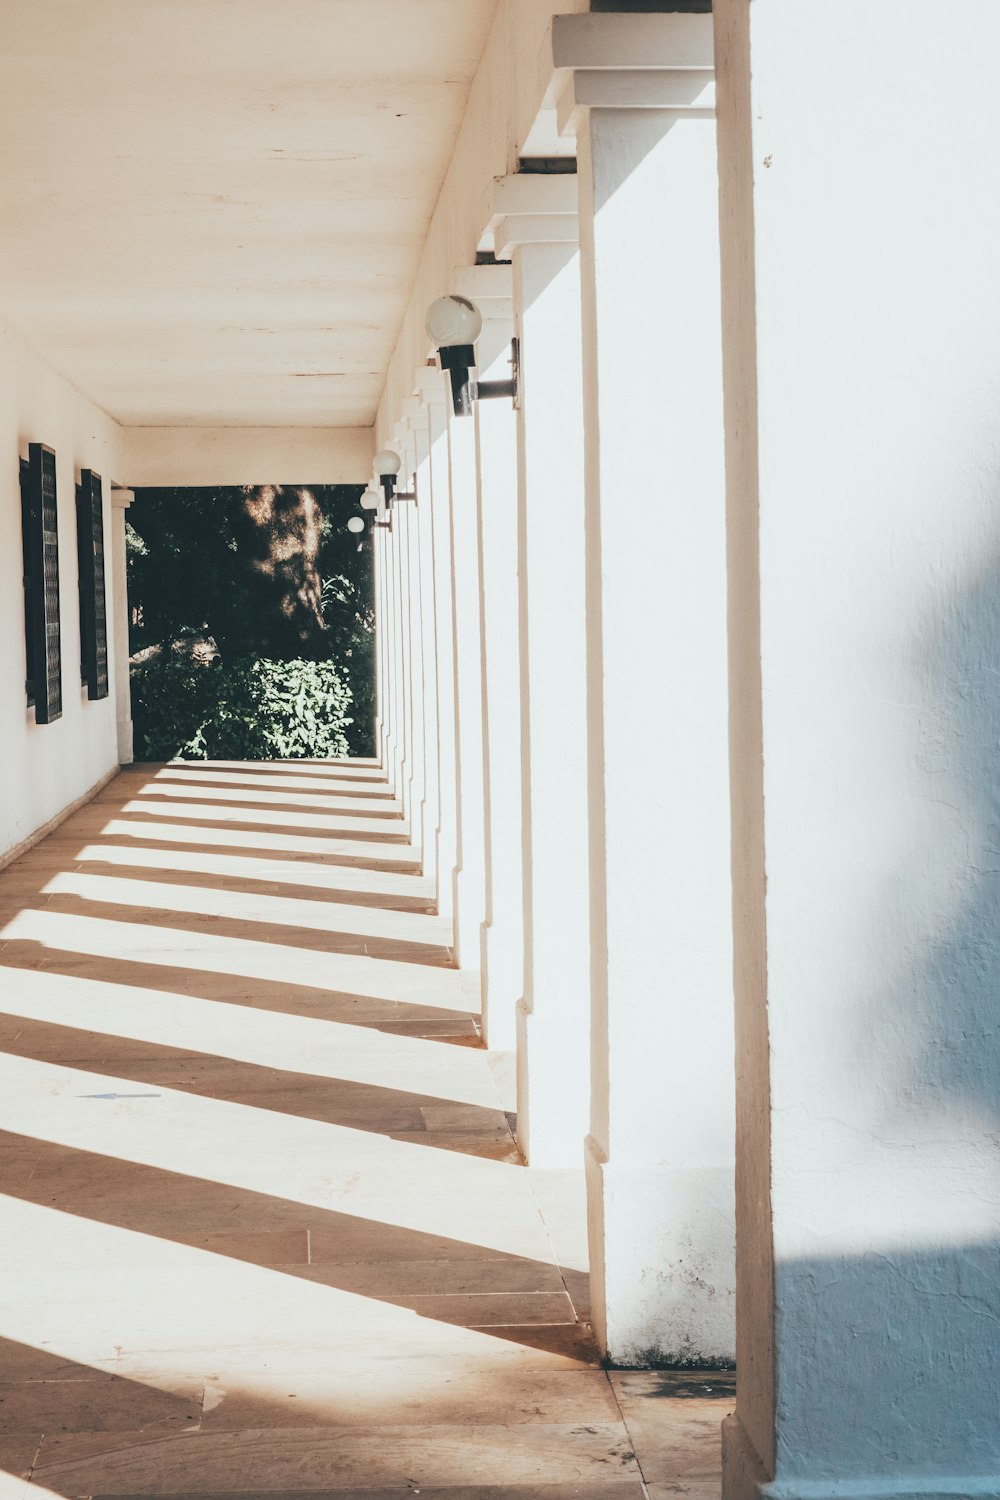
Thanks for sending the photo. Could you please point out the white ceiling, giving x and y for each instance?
(213, 209)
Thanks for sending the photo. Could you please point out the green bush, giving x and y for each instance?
(247, 709)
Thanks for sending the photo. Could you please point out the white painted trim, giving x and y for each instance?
(483, 283)
(53, 823)
(535, 229)
(645, 40)
(690, 92)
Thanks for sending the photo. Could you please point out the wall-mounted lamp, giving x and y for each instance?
(387, 465)
(370, 499)
(356, 524)
(453, 325)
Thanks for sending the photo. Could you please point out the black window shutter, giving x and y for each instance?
(29, 641)
(42, 573)
(93, 604)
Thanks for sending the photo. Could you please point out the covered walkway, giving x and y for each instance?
(268, 1221)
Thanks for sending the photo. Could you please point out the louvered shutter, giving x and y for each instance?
(93, 604)
(42, 583)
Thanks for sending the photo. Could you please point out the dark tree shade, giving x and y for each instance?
(267, 571)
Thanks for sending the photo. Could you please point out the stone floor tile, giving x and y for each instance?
(323, 1459)
(267, 1222)
(444, 1394)
(674, 1420)
(17, 1454)
(631, 1489)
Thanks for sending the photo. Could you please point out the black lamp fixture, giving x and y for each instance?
(454, 324)
(387, 465)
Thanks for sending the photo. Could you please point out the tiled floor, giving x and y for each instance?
(265, 1226)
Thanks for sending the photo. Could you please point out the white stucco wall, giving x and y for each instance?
(47, 767)
(861, 245)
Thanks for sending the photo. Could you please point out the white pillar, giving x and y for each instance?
(537, 228)
(405, 524)
(381, 655)
(469, 882)
(425, 810)
(397, 554)
(496, 446)
(121, 499)
(438, 506)
(660, 1152)
(861, 305)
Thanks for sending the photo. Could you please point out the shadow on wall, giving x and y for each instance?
(265, 585)
(887, 1282)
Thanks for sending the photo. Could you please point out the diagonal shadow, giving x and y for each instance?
(240, 825)
(295, 803)
(245, 885)
(305, 769)
(365, 1257)
(308, 939)
(258, 786)
(396, 1017)
(146, 832)
(43, 1392)
(378, 1110)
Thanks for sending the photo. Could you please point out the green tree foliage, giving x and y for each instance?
(247, 709)
(267, 571)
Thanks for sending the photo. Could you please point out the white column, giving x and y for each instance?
(537, 229)
(438, 506)
(398, 552)
(121, 499)
(660, 1152)
(381, 655)
(404, 522)
(862, 356)
(496, 442)
(469, 882)
(426, 809)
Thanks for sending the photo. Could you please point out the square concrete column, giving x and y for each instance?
(399, 554)
(393, 750)
(406, 526)
(381, 651)
(121, 499)
(536, 227)
(496, 451)
(660, 1151)
(425, 811)
(437, 506)
(862, 368)
(386, 627)
(469, 878)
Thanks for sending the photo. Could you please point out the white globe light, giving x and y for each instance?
(387, 462)
(371, 500)
(356, 524)
(453, 320)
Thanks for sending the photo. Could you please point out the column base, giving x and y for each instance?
(126, 743)
(662, 1263)
(743, 1478)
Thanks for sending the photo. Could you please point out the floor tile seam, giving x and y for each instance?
(556, 1261)
(632, 1443)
